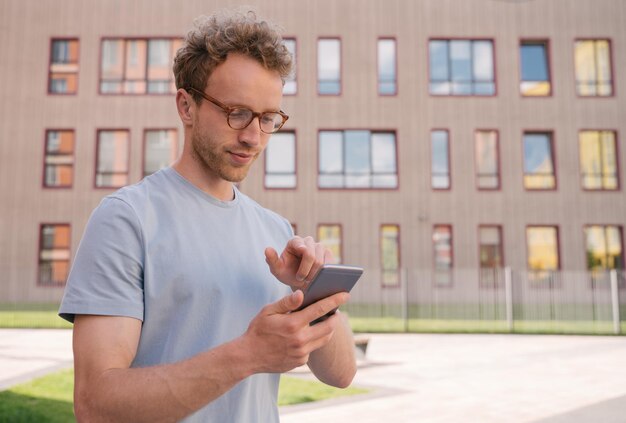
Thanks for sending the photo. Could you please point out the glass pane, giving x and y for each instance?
(486, 158)
(386, 66)
(160, 150)
(460, 60)
(439, 163)
(390, 254)
(112, 59)
(331, 181)
(538, 161)
(439, 61)
(331, 152)
(614, 247)
(357, 152)
(136, 59)
(328, 65)
(280, 154)
(609, 160)
(442, 242)
(290, 86)
(483, 60)
(590, 159)
(534, 62)
(490, 247)
(596, 247)
(603, 61)
(585, 67)
(542, 247)
(160, 63)
(280, 181)
(113, 151)
(383, 152)
(330, 237)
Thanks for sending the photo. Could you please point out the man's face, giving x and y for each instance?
(224, 152)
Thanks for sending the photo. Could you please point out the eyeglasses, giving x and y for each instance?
(240, 117)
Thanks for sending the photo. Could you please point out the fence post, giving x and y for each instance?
(615, 302)
(404, 281)
(508, 295)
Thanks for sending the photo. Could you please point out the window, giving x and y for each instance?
(462, 67)
(63, 73)
(490, 254)
(535, 69)
(330, 237)
(538, 161)
(112, 159)
(280, 161)
(598, 160)
(442, 246)
(291, 83)
(329, 66)
(386, 66)
(593, 68)
(357, 159)
(59, 159)
(440, 160)
(542, 243)
(160, 149)
(54, 254)
(604, 247)
(487, 160)
(138, 66)
(390, 254)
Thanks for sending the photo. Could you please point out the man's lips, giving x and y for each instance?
(241, 157)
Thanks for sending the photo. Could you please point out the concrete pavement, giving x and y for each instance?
(427, 377)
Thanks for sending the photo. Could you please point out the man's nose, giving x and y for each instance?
(251, 134)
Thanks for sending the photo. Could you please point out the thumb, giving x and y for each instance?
(286, 304)
(272, 259)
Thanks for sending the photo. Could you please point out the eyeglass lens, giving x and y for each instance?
(240, 118)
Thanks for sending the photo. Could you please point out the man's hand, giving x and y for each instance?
(282, 339)
(299, 262)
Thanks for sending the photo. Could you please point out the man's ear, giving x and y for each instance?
(185, 106)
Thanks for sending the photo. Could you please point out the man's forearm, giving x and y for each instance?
(163, 393)
(335, 363)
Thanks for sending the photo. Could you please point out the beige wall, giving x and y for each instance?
(26, 111)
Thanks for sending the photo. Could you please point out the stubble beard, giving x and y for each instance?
(215, 161)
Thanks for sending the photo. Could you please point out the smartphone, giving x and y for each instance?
(331, 279)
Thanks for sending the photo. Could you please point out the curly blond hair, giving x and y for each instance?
(214, 37)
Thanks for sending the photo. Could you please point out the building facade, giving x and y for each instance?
(447, 138)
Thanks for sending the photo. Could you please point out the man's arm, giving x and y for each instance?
(107, 389)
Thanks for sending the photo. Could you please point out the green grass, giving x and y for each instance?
(49, 398)
(32, 315)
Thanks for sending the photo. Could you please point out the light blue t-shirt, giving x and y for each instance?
(192, 268)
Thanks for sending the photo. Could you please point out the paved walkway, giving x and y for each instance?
(427, 378)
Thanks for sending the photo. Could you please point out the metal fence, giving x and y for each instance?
(490, 300)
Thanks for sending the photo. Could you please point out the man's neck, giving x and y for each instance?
(210, 183)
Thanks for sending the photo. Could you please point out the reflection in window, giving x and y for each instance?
(442, 245)
(329, 66)
(59, 159)
(604, 247)
(280, 161)
(54, 254)
(390, 254)
(291, 84)
(462, 67)
(486, 155)
(160, 149)
(330, 237)
(112, 159)
(386, 66)
(63, 73)
(535, 72)
(440, 160)
(538, 161)
(357, 159)
(138, 66)
(593, 68)
(598, 160)
(490, 250)
(543, 248)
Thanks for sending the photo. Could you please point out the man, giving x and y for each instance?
(177, 312)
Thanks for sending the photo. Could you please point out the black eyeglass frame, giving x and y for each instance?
(229, 109)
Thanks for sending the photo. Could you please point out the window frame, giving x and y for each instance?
(295, 163)
(609, 40)
(477, 175)
(471, 40)
(40, 250)
(552, 144)
(97, 158)
(45, 156)
(50, 63)
(317, 70)
(371, 131)
(617, 161)
(125, 40)
(546, 42)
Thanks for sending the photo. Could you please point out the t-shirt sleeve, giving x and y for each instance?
(107, 273)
